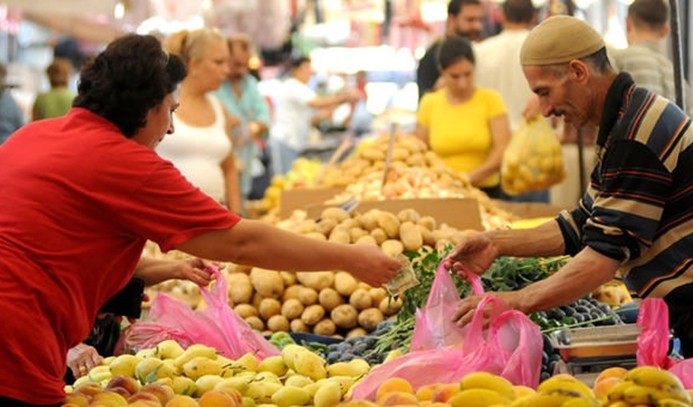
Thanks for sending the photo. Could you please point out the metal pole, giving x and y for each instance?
(677, 60)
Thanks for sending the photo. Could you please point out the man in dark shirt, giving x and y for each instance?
(465, 18)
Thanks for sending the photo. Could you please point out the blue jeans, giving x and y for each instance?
(282, 157)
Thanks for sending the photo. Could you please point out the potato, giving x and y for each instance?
(389, 223)
(269, 307)
(360, 299)
(428, 222)
(356, 332)
(245, 310)
(350, 223)
(389, 306)
(369, 220)
(357, 233)
(408, 215)
(427, 236)
(344, 316)
(278, 323)
(325, 327)
(370, 318)
(255, 323)
(292, 292)
(368, 239)
(377, 294)
(305, 226)
(340, 235)
(316, 280)
(392, 248)
(240, 289)
(399, 154)
(325, 226)
(373, 154)
(363, 286)
(329, 298)
(238, 268)
(335, 213)
(257, 299)
(379, 235)
(307, 296)
(267, 282)
(416, 160)
(312, 314)
(292, 308)
(288, 278)
(344, 283)
(410, 236)
(297, 325)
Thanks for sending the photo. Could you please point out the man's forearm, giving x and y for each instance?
(580, 276)
(545, 240)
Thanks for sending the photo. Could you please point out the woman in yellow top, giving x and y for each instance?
(467, 126)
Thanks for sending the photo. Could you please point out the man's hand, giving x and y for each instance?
(465, 310)
(476, 251)
(372, 266)
(81, 359)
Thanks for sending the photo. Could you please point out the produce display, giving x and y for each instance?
(415, 172)
(170, 376)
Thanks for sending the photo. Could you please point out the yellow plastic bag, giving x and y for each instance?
(533, 160)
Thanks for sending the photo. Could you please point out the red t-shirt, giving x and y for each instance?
(77, 202)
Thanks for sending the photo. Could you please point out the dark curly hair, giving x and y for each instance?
(130, 77)
(453, 49)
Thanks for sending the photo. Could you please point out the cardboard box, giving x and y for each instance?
(301, 198)
(461, 213)
(529, 210)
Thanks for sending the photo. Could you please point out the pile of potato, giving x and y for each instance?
(333, 303)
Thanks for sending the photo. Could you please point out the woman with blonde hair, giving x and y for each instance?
(201, 147)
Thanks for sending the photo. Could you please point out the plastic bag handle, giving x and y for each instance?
(472, 278)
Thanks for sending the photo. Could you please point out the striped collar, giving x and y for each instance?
(614, 105)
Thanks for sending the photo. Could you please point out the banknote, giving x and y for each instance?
(403, 280)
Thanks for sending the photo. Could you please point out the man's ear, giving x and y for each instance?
(578, 71)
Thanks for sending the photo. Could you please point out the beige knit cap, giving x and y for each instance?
(560, 39)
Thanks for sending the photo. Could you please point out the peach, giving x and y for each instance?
(393, 384)
(79, 400)
(603, 387)
(615, 371)
(216, 398)
(445, 392)
(163, 393)
(147, 399)
(88, 389)
(126, 382)
(110, 398)
(235, 395)
(398, 398)
(426, 392)
(180, 400)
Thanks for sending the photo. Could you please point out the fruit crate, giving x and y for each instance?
(596, 342)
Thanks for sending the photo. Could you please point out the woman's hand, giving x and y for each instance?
(371, 265)
(193, 270)
(81, 359)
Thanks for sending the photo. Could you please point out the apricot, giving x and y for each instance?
(615, 371)
(215, 398)
(144, 398)
(393, 384)
(180, 400)
(79, 400)
(161, 392)
(445, 392)
(602, 387)
(398, 398)
(426, 392)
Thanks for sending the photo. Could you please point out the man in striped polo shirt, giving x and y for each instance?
(637, 213)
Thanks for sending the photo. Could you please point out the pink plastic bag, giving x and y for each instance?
(433, 328)
(653, 341)
(511, 346)
(216, 326)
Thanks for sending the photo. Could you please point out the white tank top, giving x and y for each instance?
(199, 151)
